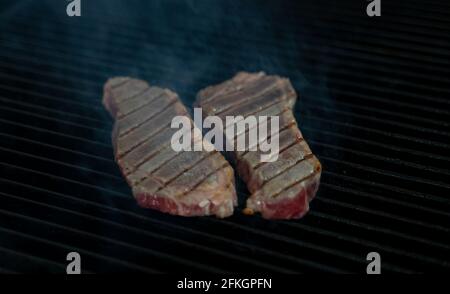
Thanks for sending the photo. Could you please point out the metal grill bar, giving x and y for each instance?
(31, 258)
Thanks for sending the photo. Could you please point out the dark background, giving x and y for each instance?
(373, 106)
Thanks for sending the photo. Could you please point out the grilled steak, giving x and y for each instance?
(283, 188)
(182, 183)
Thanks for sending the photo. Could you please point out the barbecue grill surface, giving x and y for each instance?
(373, 107)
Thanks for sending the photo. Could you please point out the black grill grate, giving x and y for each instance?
(373, 105)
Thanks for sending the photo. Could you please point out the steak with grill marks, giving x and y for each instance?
(183, 183)
(281, 189)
